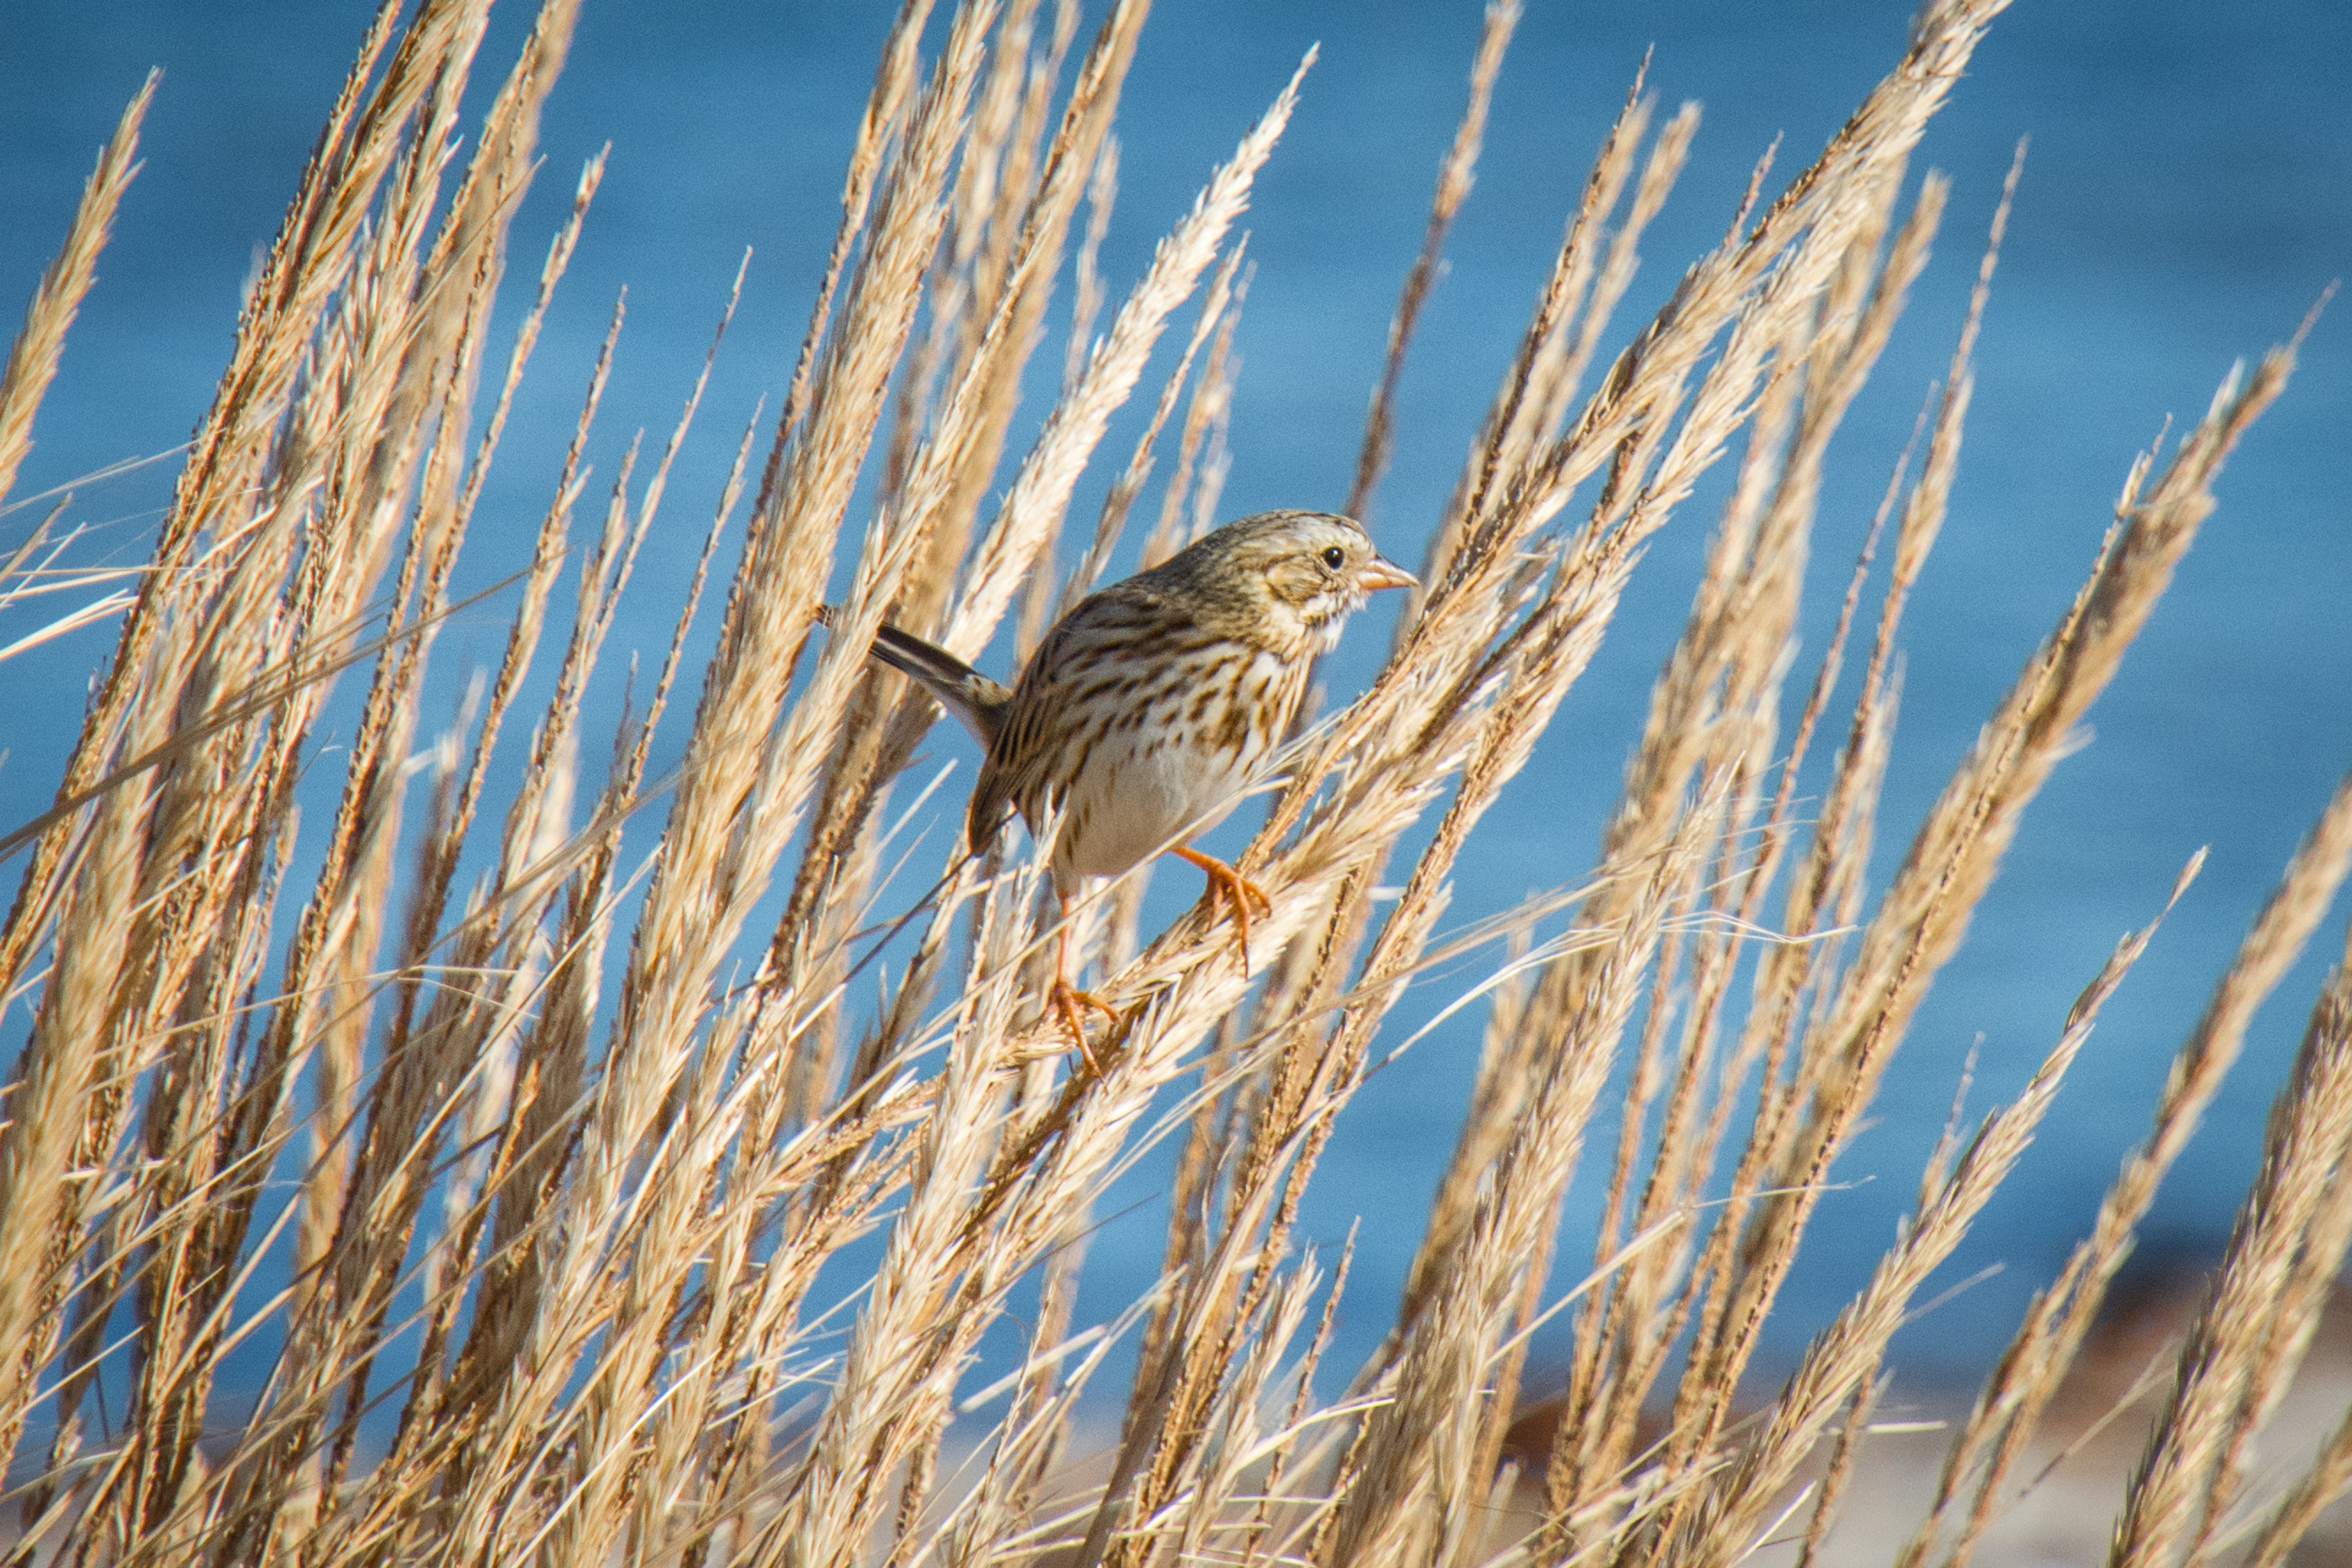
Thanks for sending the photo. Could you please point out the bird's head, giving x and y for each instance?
(1296, 575)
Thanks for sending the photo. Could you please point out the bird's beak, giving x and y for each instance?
(1382, 573)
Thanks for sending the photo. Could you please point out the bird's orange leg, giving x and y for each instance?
(1066, 1000)
(1236, 889)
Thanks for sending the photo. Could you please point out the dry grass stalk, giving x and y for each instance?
(568, 1220)
(1951, 860)
(175, 867)
(2008, 1409)
(40, 565)
(2329, 1475)
(33, 354)
(1713, 712)
(1428, 1455)
(1199, 475)
(1713, 1520)
(1454, 177)
(1624, 1355)
(1001, 246)
(1676, 462)
(2283, 1260)
(1129, 484)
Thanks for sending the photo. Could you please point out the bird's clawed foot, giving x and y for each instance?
(1236, 890)
(1069, 1003)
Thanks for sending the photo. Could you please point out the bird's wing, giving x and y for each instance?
(1022, 756)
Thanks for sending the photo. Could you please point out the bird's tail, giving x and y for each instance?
(973, 699)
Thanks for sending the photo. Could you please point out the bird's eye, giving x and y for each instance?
(1335, 558)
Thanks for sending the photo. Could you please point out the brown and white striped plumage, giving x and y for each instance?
(1148, 709)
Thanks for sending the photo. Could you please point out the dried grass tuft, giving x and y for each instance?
(460, 1108)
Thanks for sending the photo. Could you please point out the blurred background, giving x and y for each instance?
(2186, 199)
